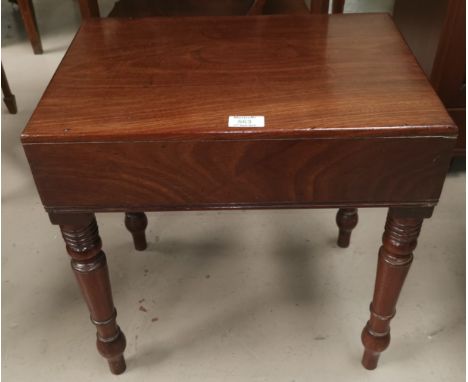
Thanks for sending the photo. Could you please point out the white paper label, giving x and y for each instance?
(246, 121)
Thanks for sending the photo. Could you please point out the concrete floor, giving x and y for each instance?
(238, 296)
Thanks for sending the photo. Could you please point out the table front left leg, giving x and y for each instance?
(395, 256)
(80, 232)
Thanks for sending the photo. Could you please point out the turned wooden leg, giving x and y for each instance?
(89, 265)
(346, 219)
(136, 223)
(395, 257)
(30, 24)
(8, 96)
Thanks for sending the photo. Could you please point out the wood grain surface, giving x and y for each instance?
(310, 76)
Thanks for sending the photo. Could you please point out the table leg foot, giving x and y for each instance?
(395, 257)
(117, 365)
(346, 219)
(370, 359)
(136, 223)
(89, 264)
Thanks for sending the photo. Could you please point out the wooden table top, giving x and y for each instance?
(181, 78)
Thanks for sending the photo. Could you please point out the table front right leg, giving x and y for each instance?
(395, 257)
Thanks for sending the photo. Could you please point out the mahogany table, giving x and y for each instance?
(137, 118)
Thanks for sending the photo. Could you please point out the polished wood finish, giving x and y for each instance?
(435, 31)
(8, 97)
(333, 119)
(346, 219)
(89, 265)
(203, 68)
(130, 125)
(29, 18)
(294, 172)
(395, 257)
(136, 223)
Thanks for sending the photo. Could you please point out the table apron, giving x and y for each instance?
(167, 175)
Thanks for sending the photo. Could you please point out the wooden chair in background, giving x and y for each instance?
(28, 15)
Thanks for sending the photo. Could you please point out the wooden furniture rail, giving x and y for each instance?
(290, 111)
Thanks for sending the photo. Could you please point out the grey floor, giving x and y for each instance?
(218, 296)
